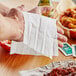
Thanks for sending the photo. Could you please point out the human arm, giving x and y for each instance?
(11, 25)
(15, 14)
(4, 9)
(61, 37)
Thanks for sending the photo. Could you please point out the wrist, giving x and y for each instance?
(18, 18)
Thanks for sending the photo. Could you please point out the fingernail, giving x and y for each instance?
(61, 45)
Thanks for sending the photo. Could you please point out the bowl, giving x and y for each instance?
(70, 33)
(6, 45)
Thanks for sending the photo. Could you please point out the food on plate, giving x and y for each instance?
(70, 71)
(68, 19)
(6, 44)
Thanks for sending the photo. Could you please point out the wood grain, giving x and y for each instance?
(20, 62)
(10, 65)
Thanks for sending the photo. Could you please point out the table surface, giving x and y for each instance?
(10, 65)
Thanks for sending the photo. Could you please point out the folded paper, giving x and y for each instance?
(40, 37)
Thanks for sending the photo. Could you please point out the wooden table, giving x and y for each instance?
(11, 64)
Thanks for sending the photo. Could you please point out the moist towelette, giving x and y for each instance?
(40, 37)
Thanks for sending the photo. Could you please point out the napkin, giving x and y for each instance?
(40, 37)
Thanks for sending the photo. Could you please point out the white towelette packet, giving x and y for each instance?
(40, 37)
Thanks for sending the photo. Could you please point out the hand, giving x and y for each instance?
(4, 9)
(61, 37)
(14, 18)
(11, 26)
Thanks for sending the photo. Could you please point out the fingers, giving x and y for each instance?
(21, 7)
(12, 13)
(60, 44)
(62, 38)
(59, 30)
(15, 14)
